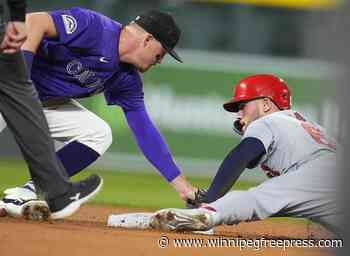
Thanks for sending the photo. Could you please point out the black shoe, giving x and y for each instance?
(79, 193)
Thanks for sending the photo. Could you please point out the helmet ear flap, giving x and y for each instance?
(286, 96)
(286, 99)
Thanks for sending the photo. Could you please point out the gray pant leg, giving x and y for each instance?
(24, 116)
(261, 202)
(236, 206)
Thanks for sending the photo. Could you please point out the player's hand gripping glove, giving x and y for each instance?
(198, 199)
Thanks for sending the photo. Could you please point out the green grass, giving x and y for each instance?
(124, 189)
(129, 189)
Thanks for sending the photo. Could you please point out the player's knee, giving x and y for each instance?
(104, 137)
(108, 137)
(98, 137)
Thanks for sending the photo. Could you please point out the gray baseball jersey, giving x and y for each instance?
(289, 140)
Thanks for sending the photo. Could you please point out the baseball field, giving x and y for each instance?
(86, 232)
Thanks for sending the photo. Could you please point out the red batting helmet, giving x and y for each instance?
(260, 86)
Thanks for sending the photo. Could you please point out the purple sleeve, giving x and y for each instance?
(152, 144)
(77, 27)
(126, 91)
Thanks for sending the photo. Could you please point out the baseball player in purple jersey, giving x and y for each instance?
(78, 53)
(295, 153)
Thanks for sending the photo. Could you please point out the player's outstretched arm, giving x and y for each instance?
(247, 154)
(39, 25)
(155, 149)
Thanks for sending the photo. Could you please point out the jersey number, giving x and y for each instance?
(318, 135)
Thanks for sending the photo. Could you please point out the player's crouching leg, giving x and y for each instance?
(97, 136)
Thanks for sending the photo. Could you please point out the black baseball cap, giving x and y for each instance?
(161, 26)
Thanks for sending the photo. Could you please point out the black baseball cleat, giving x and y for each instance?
(79, 193)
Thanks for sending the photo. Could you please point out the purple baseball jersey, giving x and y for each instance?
(84, 61)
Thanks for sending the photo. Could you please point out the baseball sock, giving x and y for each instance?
(76, 156)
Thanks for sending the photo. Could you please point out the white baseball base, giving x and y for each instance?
(139, 220)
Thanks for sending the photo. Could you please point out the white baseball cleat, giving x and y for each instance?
(28, 209)
(27, 191)
(173, 219)
(36, 210)
(16, 198)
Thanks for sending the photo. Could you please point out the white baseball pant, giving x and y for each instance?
(73, 122)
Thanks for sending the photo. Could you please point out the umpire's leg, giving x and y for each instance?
(24, 116)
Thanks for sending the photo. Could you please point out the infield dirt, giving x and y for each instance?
(86, 234)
